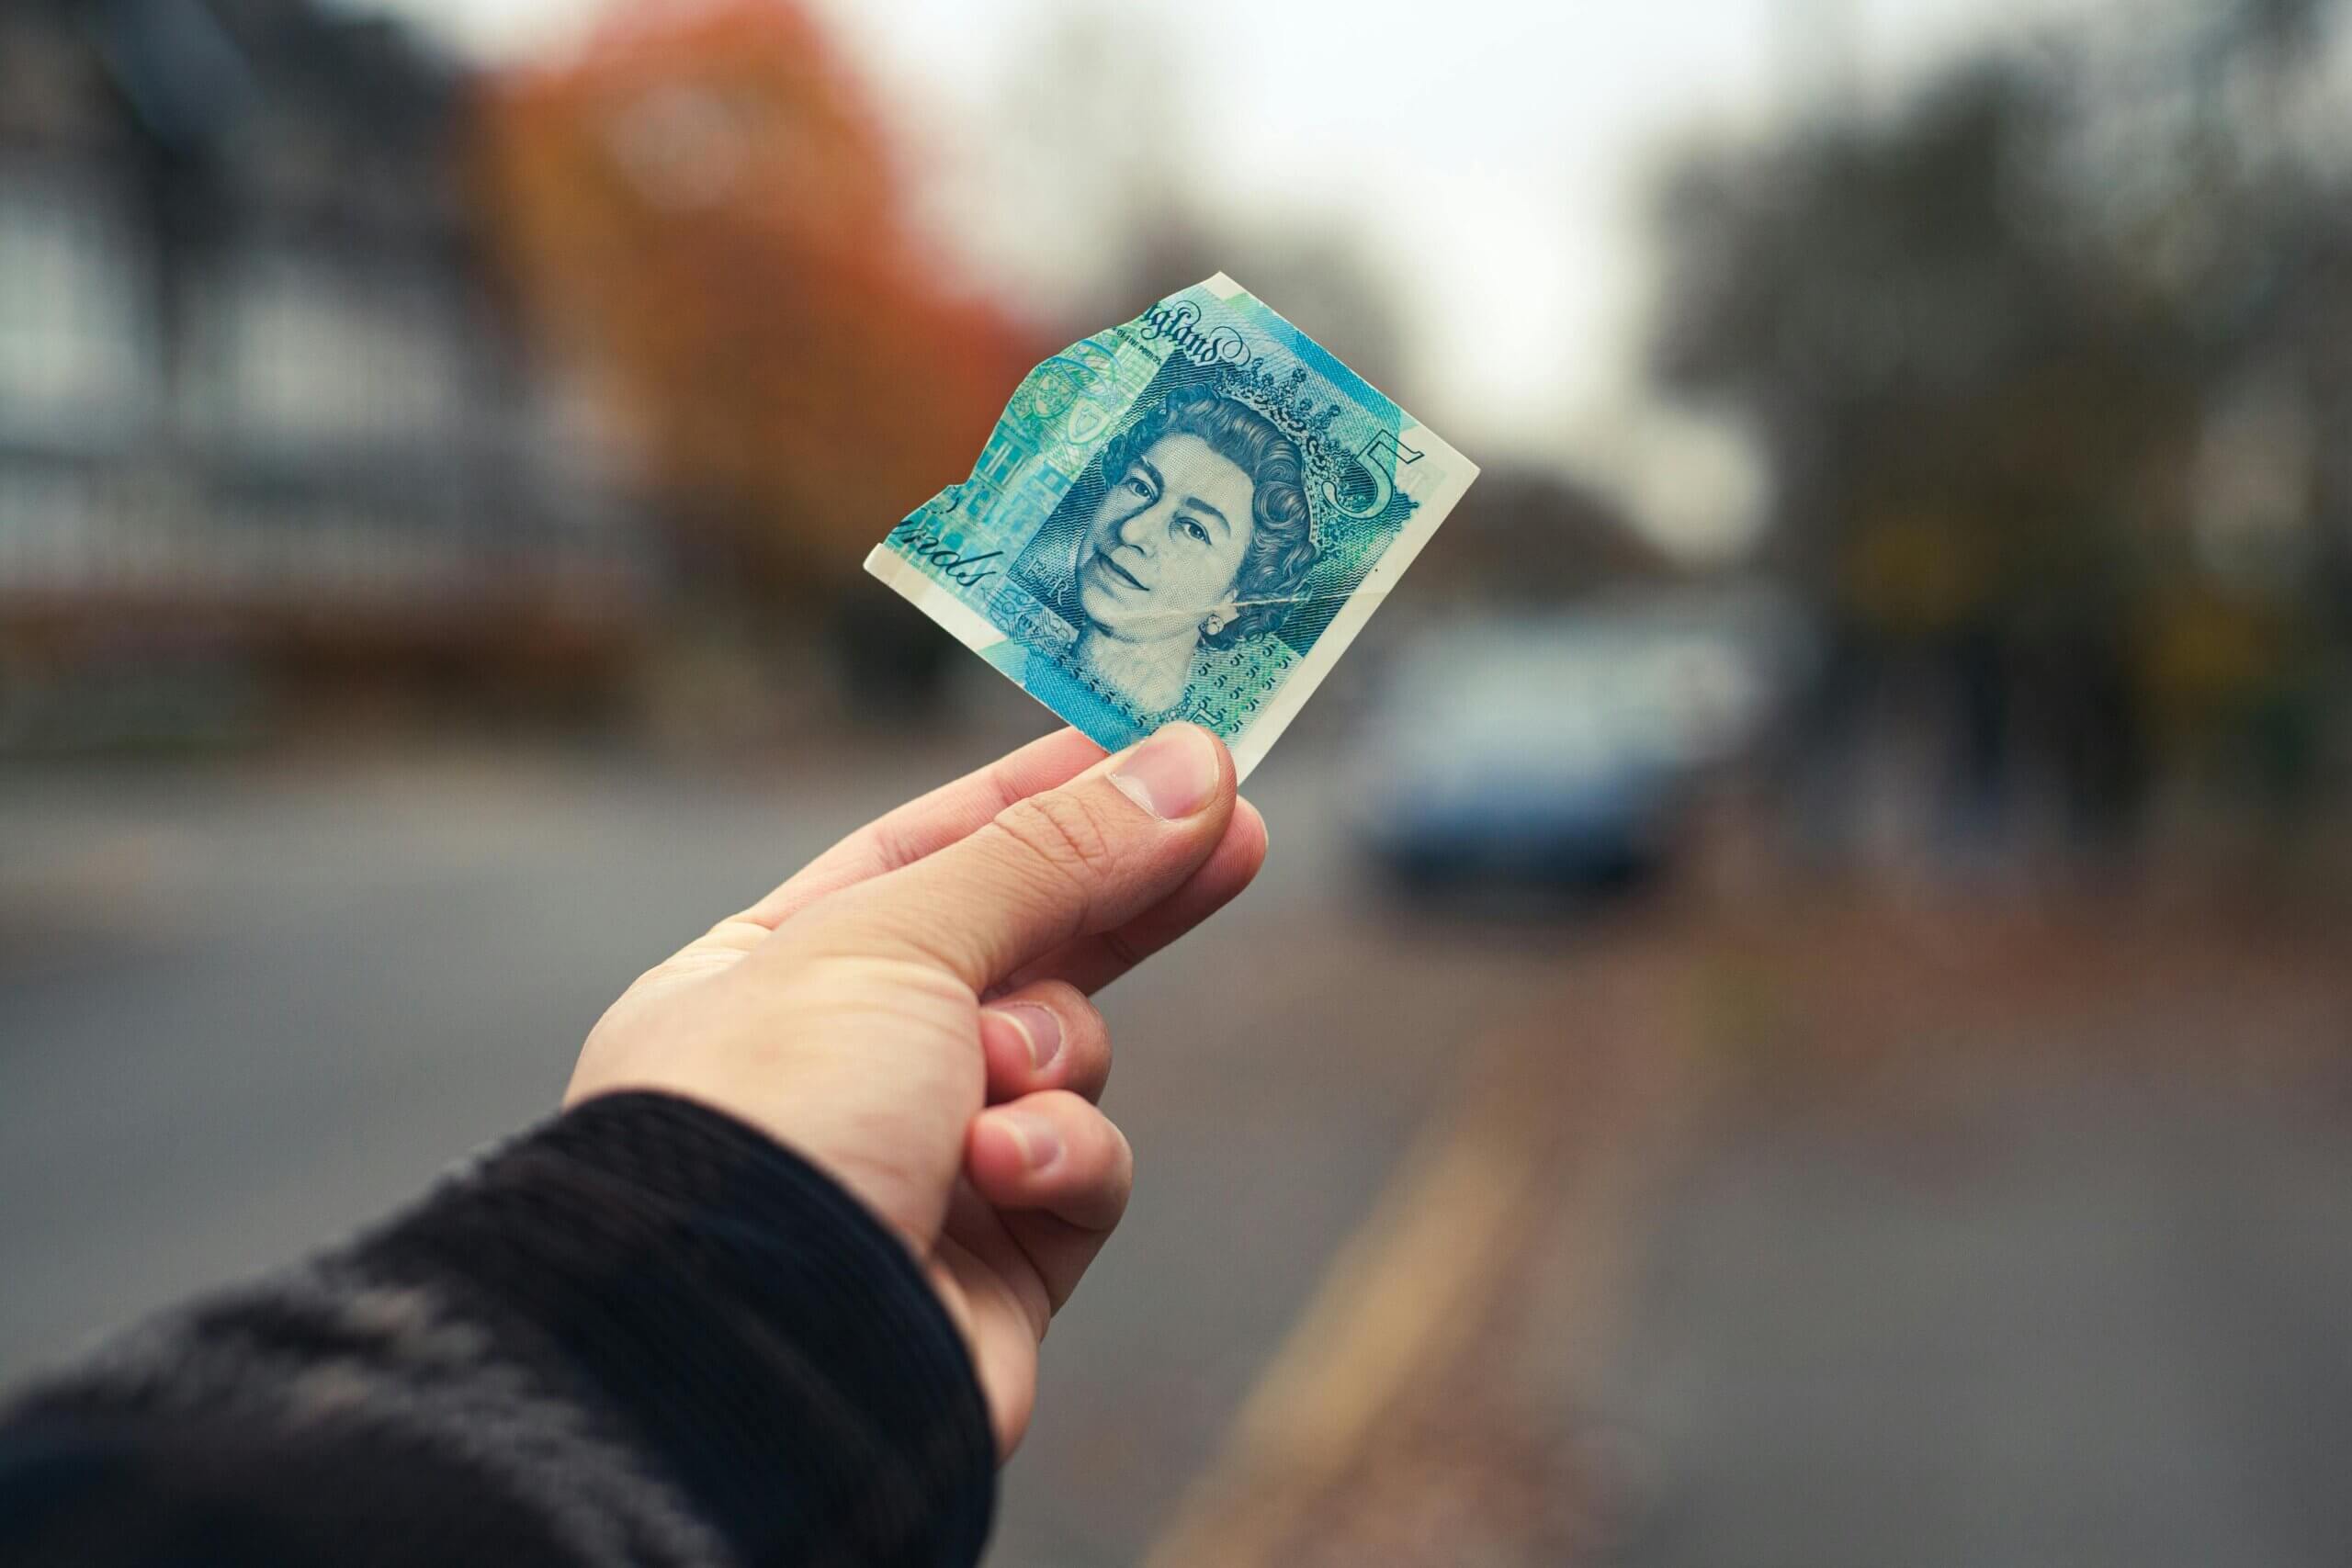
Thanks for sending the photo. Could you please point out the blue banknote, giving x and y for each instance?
(1188, 516)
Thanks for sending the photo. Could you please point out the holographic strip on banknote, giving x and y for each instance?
(1188, 516)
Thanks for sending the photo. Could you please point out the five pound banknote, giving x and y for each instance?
(1189, 516)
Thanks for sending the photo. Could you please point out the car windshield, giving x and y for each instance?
(1606, 693)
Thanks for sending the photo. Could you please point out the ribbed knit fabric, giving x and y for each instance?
(644, 1334)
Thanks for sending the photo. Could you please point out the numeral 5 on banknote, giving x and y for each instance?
(1188, 516)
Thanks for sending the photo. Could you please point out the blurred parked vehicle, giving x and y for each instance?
(1563, 750)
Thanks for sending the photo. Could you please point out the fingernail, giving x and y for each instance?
(1038, 1027)
(1172, 775)
(1040, 1140)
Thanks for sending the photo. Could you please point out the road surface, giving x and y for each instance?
(2054, 1285)
(246, 1007)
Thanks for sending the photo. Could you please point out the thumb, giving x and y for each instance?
(1067, 863)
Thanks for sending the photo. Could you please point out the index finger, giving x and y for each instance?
(930, 823)
(1067, 863)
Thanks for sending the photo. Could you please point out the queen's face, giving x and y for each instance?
(1167, 542)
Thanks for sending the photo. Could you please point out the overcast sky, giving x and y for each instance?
(1493, 153)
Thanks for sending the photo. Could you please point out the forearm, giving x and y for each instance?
(642, 1333)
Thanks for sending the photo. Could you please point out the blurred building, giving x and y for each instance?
(705, 204)
(259, 401)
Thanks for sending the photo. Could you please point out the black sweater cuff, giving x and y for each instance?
(749, 1325)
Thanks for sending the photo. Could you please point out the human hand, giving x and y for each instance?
(910, 1014)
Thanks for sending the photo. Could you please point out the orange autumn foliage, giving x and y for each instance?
(701, 208)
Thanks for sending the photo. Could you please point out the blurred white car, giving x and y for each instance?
(1561, 750)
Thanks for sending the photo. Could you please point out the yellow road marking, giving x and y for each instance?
(1552, 1149)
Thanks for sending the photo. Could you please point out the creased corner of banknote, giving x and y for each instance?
(1189, 516)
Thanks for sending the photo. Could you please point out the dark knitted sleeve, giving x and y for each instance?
(642, 1335)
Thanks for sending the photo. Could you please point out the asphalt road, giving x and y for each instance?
(243, 1008)
(2039, 1304)
(2096, 1321)
(2020, 1236)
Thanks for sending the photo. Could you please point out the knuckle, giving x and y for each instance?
(1109, 1156)
(1066, 832)
(1123, 949)
(1119, 1176)
(1073, 1007)
(1061, 996)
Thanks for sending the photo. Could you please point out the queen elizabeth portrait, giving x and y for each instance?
(1196, 550)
